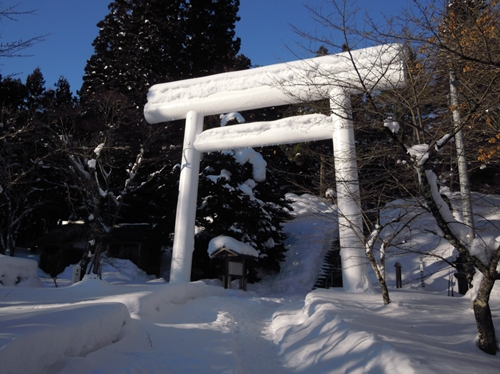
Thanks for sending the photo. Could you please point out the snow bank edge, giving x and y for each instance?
(31, 342)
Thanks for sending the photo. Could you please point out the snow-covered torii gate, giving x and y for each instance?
(332, 77)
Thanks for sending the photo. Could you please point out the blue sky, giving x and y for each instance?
(70, 25)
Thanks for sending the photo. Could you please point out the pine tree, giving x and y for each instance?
(13, 94)
(142, 43)
(240, 199)
(35, 84)
(63, 95)
(210, 43)
(137, 42)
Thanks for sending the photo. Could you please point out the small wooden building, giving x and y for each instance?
(234, 266)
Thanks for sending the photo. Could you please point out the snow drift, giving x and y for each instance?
(50, 335)
(20, 272)
(316, 339)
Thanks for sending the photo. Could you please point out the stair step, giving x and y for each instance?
(330, 273)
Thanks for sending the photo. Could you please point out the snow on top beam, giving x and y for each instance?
(379, 67)
(288, 130)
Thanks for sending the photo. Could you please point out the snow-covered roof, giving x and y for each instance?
(231, 244)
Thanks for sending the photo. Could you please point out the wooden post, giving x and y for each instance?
(399, 283)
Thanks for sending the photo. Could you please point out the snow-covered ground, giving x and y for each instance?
(130, 323)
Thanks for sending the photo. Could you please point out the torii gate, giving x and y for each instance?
(332, 77)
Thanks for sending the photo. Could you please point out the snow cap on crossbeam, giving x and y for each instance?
(378, 67)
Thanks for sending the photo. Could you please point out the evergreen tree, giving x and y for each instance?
(239, 198)
(137, 41)
(35, 85)
(210, 43)
(13, 94)
(142, 43)
(63, 95)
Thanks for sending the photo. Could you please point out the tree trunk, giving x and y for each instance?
(484, 322)
(96, 237)
(461, 159)
(487, 341)
(11, 245)
(95, 264)
(380, 277)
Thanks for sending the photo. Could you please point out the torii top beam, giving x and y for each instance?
(312, 79)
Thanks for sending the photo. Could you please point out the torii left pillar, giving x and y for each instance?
(352, 251)
(182, 251)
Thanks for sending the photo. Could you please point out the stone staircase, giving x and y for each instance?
(330, 274)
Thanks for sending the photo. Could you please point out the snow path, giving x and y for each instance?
(215, 334)
(248, 322)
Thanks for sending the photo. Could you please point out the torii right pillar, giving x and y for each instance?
(352, 250)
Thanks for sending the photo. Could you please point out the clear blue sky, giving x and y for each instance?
(70, 26)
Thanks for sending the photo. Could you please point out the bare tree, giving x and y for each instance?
(16, 175)
(103, 169)
(15, 48)
(18, 166)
